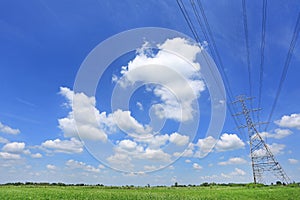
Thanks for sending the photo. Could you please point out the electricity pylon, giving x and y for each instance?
(262, 158)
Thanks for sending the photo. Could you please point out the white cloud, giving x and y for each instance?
(293, 161)
(36, 155)
(229, 142)
(153, 141)
(233, 161)
(8, 130)
(278, 133)
(14, 147)
(188, 152)
(9, 156)
(205, 146)
(158, 140)
(178, 139)
(101, 166)
(83, 117)
(128, 145)
(225, 175)
(128, 150)
(289, 121)
(188, 161)
(120, 160)
(73, 164)
(156, 155)
(275, 148)
(238, 172)
(140, 105)
(197, 166)
(127, 123)
(168, 68)
(64, 146)
(3, 140)
(150, 167)
(51, 167)
(87, 121)
(171, 167)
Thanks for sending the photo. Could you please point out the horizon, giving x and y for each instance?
(99, 91)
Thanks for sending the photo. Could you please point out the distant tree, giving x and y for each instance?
(278, 183)
(205, 184)
(176, 184)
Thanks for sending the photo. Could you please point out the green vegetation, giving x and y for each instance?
(207, 191)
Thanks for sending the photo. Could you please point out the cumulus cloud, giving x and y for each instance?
(73, 164)
(233, 161)
(278, 133)
(197, 166)
(174, 68)
(86, 114)
(121, 160)
(8, 130)
(229, 142)
(36, 155)
(9, 156)
(3, 140)
(128, 145)
(87, 121)
(289, 121)
(293, 161)
(51, 167)
(64, 146)
(127, 152)
(14, 147)
(275, 148)
(205, 146)
(156, 155)
(139, 105)
(178, 139)
(146, 148)
(236, 172)
(129, 124)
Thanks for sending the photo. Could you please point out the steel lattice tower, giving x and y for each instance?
(261, 156)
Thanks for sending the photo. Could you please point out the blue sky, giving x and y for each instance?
(43, 46)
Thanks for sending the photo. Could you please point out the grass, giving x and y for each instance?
(93, 192)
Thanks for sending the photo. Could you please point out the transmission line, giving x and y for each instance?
(247, 47)
(262, 51)
(286, 66)
(230, 95)
(194, 32)
(188, 20)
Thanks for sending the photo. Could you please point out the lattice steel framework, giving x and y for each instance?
(262, 158)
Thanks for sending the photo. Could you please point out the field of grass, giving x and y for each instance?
(93, 192)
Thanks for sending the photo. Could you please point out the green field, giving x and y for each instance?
(93, 192)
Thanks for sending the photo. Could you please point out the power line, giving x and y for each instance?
(207, 60)
(247, 49)
(188, 20)
(192, 28)
(215, 49)
(262, 51)
(230, 95)
(286, 66)
(202, 28)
